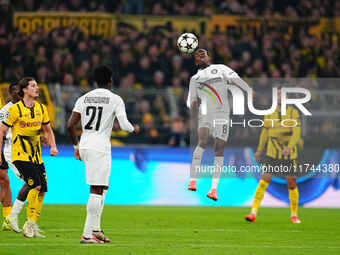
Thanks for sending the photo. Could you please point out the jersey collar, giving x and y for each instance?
(23, 103)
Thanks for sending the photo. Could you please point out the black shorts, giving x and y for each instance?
(4, 164)
(280, 167)
(33, 174)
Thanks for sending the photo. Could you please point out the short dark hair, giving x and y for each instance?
(12, 86)
(201, 49)
(103, 76)
(23, 83)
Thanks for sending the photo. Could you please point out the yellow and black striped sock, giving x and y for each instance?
(261, 188)
(38, 207)
(293, 201)
(6, 211)
(31, 203)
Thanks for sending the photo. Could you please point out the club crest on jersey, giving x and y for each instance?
(4, 116)
(30, 182)
(214, 71)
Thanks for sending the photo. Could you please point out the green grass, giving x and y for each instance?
(182, 230)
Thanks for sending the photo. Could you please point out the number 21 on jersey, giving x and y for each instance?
(94, 113)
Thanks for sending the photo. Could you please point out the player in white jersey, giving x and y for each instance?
(209, 86)
(97, 111)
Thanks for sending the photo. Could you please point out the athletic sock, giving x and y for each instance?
(261, 188)
(97, 225)
(6, 211)
(38, 206)
(218, 164)
(16, 209)
(293, 201)
(196, 162)
(93, 207)
(31, 203)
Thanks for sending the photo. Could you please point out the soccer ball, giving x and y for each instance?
(187, 43)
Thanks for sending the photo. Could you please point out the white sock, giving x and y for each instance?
(196, 162)
(218, 164)
(253, 211)
(93, 206)
(97, 225)
(16, 208)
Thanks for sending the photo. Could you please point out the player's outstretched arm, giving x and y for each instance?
(241, 83)
(3, 131)
(72, 132)
(47, 129)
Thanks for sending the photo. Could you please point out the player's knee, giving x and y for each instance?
(291, 183)
(4, 182)
(23, 192)
(266, 177)
(203, 144)
(219, 151)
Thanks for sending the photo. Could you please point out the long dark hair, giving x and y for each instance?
(23, 83)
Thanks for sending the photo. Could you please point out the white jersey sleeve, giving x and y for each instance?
(77, 106)
(121, 116)
(231, 77)
(3, 116)
(192, 96)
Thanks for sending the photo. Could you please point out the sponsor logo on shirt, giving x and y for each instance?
(24, 124)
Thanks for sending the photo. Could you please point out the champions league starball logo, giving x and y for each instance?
(239, 106)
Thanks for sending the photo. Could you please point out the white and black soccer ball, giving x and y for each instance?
(187, 43)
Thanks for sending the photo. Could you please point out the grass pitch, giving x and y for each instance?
(181, 230)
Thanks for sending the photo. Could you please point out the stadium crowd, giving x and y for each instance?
(288, 8)
(149, 65)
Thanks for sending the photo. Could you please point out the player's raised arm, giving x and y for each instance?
(231, 76)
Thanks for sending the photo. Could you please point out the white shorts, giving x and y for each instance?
(97, 165)
(8, 158)
(218, 124)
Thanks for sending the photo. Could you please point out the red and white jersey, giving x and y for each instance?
(98, 109)
(210, 85)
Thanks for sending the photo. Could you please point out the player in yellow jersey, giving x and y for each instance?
(28, 118)
(282, 151)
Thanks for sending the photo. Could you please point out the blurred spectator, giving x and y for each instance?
(68, 79)
(177, 136)
(148, 130)
(133, 6)
(42, 74)
(144, 72)
(158, 80)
